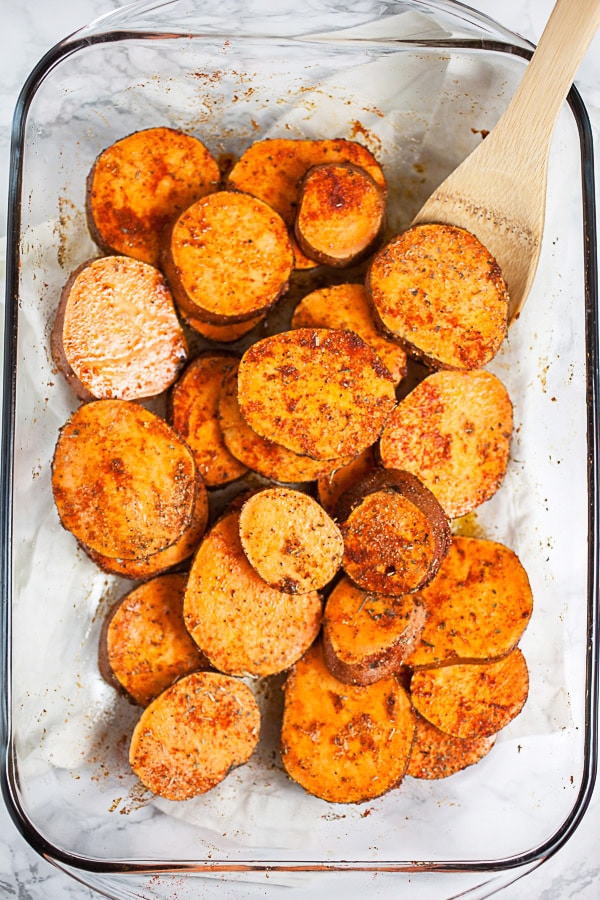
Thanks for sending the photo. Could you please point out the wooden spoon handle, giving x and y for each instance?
(536, 103)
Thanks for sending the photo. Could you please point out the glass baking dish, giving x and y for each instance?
(419, 83)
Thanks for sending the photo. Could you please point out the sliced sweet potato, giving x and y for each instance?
(145, 646)
(227, 258)
(258, 453)
(145, 567)
(193, 413)
(273, 168)
(478, 605)
(340, 215)
(124, 483)
(367, 636)
(140, 183)
(189, 738)
(439, 290)
(116, 332)
(241, 624)
(290, 540)
(436, 754)
(345, 743)
(331, 486)
(453, 431)
(222, 334)
(472, 700)
(322, 392)
(395, 532)
(346, 306)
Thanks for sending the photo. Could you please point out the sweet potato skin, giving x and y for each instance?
(189, 738)
(124, 484)
(141, 183)
(241, 624)
(344, 743)
(367, 636)
(478, 605)
(321, 392)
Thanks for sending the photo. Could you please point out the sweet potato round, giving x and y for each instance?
(435, 754)
(322, 392)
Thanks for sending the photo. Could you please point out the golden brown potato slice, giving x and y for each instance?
(116, 332)
(367, 636)
(141, 183)
(436, 754)
(124, 483)
(478, 605)
(395, 532)
(290, 540)
(332, 485)
(258, 453)
(145, 646)
(322, 392)
(227, 258)
(472, 700)
(438, 289)
(345, 743)
(272, 169)
(146, 567)
(346, 306)
(222, 334)
(241, 624)
(453, 431)
(341, 214)
(190, 737)
(193, 413)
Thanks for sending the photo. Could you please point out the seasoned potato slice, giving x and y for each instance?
(478, 605)
(367, 636)
(145, 646)
(472, 700)
(332, 485)
(344, 743)
(290, 540)
(341, 214)
(190, 737)
(116, 332)
(322, 392)
(395, 532)
(194, 414)
(141, 183)
(227, 258)
(453, 431)
(436, 754)
(241, 624)
(439, 290)
(346, 306)
(124, 483)
(222, 334)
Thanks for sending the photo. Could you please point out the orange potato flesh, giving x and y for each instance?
(367, 636)
(124, 483)
(478, 605)
(145, 643)
(193, 412)
(190, 737)
(472, 700)
(332, 485)
(322, 392)
(290, 540)
(346, 306)
(116, 332)
(140, 183)
(435, 754)
(241, 624)
(342, 742)
(228, 258)
(222, 334)
(453, 431)
(439, 290)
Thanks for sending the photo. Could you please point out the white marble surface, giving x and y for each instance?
(27, 30)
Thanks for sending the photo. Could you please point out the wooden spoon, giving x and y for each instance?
(499, 191)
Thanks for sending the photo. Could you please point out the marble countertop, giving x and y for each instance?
(27, 30)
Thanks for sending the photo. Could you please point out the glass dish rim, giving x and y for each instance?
(95, 34)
